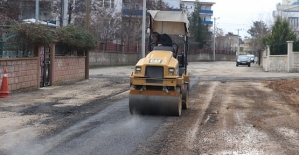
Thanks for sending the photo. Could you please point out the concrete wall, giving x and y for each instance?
(281, 63)
(278, 63)
(68, 69)
(264, 64)
(22, 73)
(99, 58)
(294, 67)
(209, 57)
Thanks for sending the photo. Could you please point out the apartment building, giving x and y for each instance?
(289, 9)
(288, 2)
(206, 11)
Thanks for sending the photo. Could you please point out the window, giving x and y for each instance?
(182, 6)
(107, 4)
(293, 21)
(101, 4)
(112, 4)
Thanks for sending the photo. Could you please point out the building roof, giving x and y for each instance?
(201, 1)
(295, 3)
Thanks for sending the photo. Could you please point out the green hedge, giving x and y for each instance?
(70, 37)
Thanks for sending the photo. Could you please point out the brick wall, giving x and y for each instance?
(22, 73)
(68, 69)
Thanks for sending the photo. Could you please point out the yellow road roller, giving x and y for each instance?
(160, 83)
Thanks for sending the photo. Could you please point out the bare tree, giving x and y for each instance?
(219, 32)
(130, 31)
(9, 10)
(257, 31)
(105, 25)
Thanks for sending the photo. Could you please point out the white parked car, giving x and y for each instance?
(251, 57)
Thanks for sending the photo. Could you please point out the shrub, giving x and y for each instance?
(76, 38)
(34, 34)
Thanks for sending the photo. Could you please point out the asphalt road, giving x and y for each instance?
(92, 117)
(112, 131)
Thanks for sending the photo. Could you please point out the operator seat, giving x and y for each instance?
(166, 48)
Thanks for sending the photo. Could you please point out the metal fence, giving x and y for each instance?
(10, 47)
(112, 47)
(61, 50)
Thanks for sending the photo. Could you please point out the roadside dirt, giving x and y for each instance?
(38, 114)
(231, 118)
(288, 88)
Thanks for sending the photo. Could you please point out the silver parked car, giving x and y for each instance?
(251, 57)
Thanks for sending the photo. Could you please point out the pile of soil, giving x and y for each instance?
(288, 88)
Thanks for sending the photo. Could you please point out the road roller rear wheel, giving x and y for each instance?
(185, 94)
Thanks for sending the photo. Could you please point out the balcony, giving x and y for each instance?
(171, 9)
(128, 12)
(207, 22)
(206, 12)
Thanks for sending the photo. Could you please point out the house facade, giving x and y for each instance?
(227, 42)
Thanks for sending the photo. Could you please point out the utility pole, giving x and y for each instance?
(143, 28)
(87, 26)
(36, 11)
(238, 51)
(64, 10)
(87, 15)
(214, 43)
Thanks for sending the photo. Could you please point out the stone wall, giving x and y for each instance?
(22, 73)
(68, 69)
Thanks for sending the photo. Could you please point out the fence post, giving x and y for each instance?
(103, 47)
(290, 55)
(267, 59)
(38, 48)
(52, 62)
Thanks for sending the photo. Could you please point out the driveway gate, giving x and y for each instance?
(45, 66)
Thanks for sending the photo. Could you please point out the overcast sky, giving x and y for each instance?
(240, 14)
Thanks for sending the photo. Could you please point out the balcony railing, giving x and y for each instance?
(207, 22)
(139, 12)
(206, 11)
(129, 12)
(132, 12)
